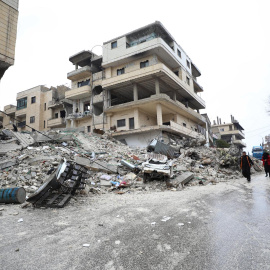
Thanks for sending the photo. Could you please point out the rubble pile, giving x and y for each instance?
(113, 166)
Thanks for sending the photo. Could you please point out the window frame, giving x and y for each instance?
(179, 53)
(188, 80)
(144, 64)
(188, 64)
(32, 119)
(120, 121)
(33, 99)
(114, 45)
(120, 71)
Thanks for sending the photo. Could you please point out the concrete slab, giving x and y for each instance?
(182, 179)
(4, 148)
(6, 164)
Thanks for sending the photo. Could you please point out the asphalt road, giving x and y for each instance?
(223, 226)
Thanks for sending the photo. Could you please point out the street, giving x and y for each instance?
(223, 226)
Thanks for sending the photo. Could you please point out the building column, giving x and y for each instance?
(136, 119)
(174, 95)
(109, 115)
(159, 114)
(157, 88)
(135, 92)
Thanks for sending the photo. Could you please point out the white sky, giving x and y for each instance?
(229, 41)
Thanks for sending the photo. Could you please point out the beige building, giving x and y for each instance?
(144, 86)
(39, 108)
(232, 132)
(8, 32)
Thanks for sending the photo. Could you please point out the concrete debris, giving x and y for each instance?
(28, 163)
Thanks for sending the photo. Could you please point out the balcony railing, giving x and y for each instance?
(22, 124)
(79, 115)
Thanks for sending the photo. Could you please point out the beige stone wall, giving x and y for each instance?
(8, 32)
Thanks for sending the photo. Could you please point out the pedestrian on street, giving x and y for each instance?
(266, 163)
(245, 165)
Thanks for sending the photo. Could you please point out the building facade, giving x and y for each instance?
(8, 33)
(143, 86)
(39, 108)
(232, 132)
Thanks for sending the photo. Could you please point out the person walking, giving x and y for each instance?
(245, 165)
(266, 163)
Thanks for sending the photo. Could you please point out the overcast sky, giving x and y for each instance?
(229, 41)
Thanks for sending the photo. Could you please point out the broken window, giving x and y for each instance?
(188, 64)
(63, 114)
(33, 100)
(121, 123)
(83, 83)
(32, 119)
(86, 107)
(179, 53)
(188, 80)
(144, 64)
(21, 103)
(114, 45)
(120, 71)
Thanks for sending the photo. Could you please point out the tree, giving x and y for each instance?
(222, 144)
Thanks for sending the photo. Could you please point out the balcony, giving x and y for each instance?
(79, 92)
(148, 74)
(55, 122)
(21, 112)
(21, 124)
(238, 133)
(79, 73)
(239, 143)
(10, 110)
(74, 116)
(197, 87)
(172, 128)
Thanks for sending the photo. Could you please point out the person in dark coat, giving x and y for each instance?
(245, 165)
(266, 163)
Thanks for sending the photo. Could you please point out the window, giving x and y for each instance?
(188, 80)
(188, 64)
(222, 129)
(114, 45)
(44, 106)
(176, 73)
(32, 119)
(144, 64)
(56, 115)
(179, 53)
(83, 83)
(21, 103)
(44, 122)
(184, 124)
(120, 71)
(88, 128)
(33, 100)
(121, 123)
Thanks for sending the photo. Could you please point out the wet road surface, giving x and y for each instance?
(223, 226)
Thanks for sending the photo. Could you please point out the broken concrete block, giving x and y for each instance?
(182, 179)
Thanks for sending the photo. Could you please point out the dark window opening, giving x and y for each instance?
(144, 64)
(86, 107)
(63, 114)
(32, 119)
(184, 124)
(166, 123)
(33, 100)
(44, 106)
(44, 124)
(121, 123)
(83, 83)
(120, 71)
(188, 80)
(88, 128)
(56, 115)
(114, 45)
(188, 64)
(131, 123)
(179, 53)
(21, 103)
(176, 73)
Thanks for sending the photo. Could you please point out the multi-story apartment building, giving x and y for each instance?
(143, 86)
(40, 107)
(232, 132)
(8, 33)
